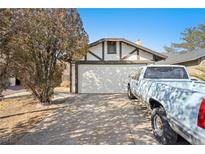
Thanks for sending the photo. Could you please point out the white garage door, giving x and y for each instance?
(104, 78)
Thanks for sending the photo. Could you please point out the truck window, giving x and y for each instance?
(166, 73)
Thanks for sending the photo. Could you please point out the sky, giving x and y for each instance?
(155, 28)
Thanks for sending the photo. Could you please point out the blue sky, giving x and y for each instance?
(154, 27)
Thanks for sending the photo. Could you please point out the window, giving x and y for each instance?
(111, 47)
(165, 73)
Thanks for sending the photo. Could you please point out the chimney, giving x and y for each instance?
(138, 42)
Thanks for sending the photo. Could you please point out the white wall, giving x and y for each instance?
(145, 55)
(126, 49)
(132, 57)
(97, 50)
(73, 77)
(12, 81)
(91, 57)
(112, 56)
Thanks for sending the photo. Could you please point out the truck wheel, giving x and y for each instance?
(161, 128)
(129, 93)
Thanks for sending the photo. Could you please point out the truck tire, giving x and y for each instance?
(161, 128)
(130, 94)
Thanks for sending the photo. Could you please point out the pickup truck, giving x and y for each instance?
(176, 101)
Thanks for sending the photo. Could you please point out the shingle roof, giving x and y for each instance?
(131, 43)
(176, 58)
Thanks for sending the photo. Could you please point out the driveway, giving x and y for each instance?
(94, 119)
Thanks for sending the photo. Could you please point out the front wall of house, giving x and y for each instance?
(73, 78)
(126, 49)
(100, 72)
(133, 56)
(192, 65)
(145, 55)
(91, 57)
(126, 53)
(112, 56)
(97, 49)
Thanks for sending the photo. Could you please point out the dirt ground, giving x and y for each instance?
(18, 116)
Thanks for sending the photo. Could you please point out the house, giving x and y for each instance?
(191, 59)
(107, 64)
(14, 81)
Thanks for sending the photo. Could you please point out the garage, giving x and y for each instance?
(104, 78)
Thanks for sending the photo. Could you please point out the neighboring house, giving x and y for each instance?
(14, 81)
(190, 59)
(106, 66)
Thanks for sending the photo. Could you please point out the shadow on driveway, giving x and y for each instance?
(94, 119)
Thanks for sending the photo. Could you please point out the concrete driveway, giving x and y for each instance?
(95, 119)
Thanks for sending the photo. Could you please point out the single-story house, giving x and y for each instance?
(107, 64)
(191, 59)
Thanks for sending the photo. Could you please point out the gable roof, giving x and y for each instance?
(176, 58)
(131, 43)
